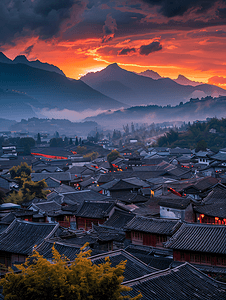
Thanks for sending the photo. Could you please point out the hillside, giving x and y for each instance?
(52, 89)
(192, 110)
(35, 125)
(196, 133)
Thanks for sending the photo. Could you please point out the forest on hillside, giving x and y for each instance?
(199, 135)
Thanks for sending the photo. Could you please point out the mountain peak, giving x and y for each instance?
(181, 77)
(20, 59)
(4, 58)
(151, 74)
(113, 66)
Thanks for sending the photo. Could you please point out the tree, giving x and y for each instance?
(93, 155)
(81, 280)
(56, 142)
(201, 146)
(66, 140)
(81, 149)
(27, 143)
(28, 191)
(22, 170)
(38, 139)
(31, 190)
(113, 155)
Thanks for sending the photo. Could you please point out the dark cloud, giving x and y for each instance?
(28, 50)
(109, 29)
(153, 47)
(19, 18)
(174, 8)
(126, 51)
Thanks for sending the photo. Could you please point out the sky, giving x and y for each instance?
(168, 37)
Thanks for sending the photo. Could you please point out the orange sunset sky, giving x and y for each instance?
(169, 37)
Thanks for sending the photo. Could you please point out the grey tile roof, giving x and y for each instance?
(214, 204)
(95, 209)
(150, 225)
(174, 202)
(199, 238)
(47, 206)
(45, 249)
(134, 267)
(61, 176)
(105, 234)
(79, 196)
(119, 219)
(21, 236)
(181, 283)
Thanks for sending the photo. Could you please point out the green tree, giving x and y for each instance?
(81, 280)
(113, 155)
(27, 143)
(201, 145)
(56, 142)
(38, 139)
(66, 140)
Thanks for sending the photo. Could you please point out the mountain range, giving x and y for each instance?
(27, 88)
(37, 88)
(134, 89)
(21, 59)
(181, 79)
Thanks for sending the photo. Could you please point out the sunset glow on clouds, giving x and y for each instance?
(171, 38)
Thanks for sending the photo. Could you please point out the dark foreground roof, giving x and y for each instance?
(181, 283)
(200, 238)
(21, 236)
(134, 267)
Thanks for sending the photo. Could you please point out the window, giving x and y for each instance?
(160, 239)
(203, 259)
(137, 235)
(208, 259)
(182, 256)
(192, 257)
(197, 258)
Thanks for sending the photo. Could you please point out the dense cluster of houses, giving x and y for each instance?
(163, 210)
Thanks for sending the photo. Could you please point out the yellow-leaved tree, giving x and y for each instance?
(79, 280)
(28, 188)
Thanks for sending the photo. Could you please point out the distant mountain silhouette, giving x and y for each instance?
(151, 74)
(142, 89)
(21, 59)
(181, 79)
(52, 89)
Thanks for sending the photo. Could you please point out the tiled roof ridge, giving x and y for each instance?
(170, 270)
(119, 251)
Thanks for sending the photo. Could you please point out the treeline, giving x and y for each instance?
(199, 135)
